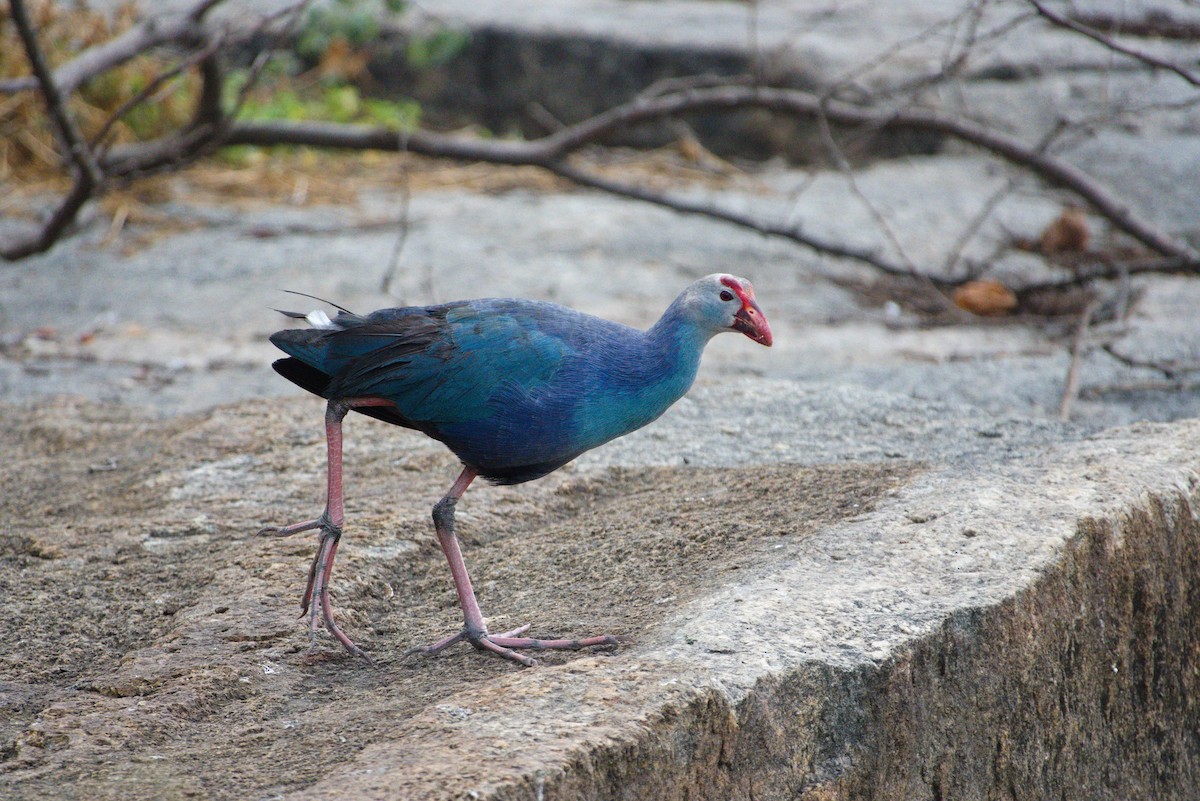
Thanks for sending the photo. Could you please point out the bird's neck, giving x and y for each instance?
(676, 343)
(645, 375)
(679, 336)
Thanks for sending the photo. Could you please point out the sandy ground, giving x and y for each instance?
(153, 648)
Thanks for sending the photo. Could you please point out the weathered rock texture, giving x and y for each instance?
(894, 630)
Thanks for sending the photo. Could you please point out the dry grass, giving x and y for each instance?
(28, 155)
(32, 170)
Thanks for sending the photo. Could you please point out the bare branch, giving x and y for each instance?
(153, 86)
(87, 175)
(212, 126)
(197, 12)
(68, 133)
(1176, 385)
(843, 166)
(201, 136)
(852, 79)
(805, 104)
(685, 206)
(923, 280)
(1154, 22)
(1170, 370)
(1112, 44)
(955, 256)
(1079, 347)
(363, 137)
(972, 228)
(404, 225)
(93, 171)
(49, 233)
(210, 122)
(1109, 270)
(556, 146)
(148, 34)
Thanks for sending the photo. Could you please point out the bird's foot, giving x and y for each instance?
(316, 601)
(321, 522)
(503, 645)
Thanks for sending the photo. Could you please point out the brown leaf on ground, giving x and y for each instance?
(988, 298)
(1068, 233)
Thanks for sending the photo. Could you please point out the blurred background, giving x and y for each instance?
(982, 203)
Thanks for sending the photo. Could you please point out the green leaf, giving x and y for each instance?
(436, 48)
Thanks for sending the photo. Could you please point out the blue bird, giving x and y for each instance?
(515, 388)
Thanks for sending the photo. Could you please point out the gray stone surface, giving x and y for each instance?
(182, 322)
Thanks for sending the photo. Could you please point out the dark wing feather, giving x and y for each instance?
(313, 380)
(439, 364)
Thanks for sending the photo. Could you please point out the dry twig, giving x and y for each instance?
(1112, 44)
(687, 206)
(1171, 370)
(147, 35)
(93, 168)
(550, 151)
(87, 175)
(1079, 348)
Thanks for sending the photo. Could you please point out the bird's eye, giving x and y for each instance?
(726, 295)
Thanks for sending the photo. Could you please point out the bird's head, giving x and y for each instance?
(724, 302)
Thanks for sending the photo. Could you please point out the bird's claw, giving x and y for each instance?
(315, 653)
(316, 602)
(323, 522)
(503, 644)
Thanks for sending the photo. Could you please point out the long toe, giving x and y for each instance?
(485, 643)
(287, 531)
(316, 602)
(600, 641)
(321, 611)
(506, 645)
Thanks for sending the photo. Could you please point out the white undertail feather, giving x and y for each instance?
(319, 319)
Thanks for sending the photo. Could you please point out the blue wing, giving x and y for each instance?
(451, 370)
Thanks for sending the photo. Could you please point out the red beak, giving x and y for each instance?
(751, 321)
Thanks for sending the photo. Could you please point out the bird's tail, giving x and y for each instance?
(316, 318)
(309, 345)
(303, 375)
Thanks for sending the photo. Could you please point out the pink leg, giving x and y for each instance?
(316, 602)
(474, 630)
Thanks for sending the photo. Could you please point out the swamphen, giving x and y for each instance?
(515, 388)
